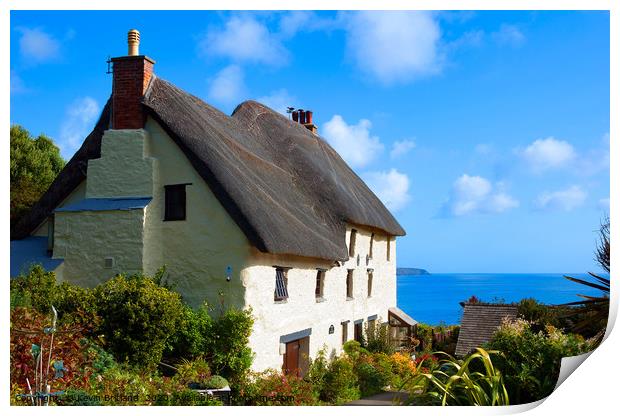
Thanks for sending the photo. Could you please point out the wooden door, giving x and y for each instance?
(291, 358)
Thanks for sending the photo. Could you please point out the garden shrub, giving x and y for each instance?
(216, 382)
(35, 289)
(403, 370)
(138, 316)
(191, 338)
(530, 360)
(193, 374)
(341, 382)
(377, 338)
(227, 344)
(271, 387)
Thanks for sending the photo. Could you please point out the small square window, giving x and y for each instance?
(175, 204)
(281, 290)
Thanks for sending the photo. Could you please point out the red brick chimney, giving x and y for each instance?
(132, 74)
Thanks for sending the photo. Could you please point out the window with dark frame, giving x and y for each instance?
(345, 331)
(357, 332)
(320, 280)
(352, 238)
(281, 291)
(350, 284)
(372, 240)
(370, 282)
(175, 202)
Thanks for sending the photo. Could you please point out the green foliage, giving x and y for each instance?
(228, 350)
(216, 382)
(35, 162)
(459, 383)
(377, 338)
(37, 289)
(341, 384)
(137, 316)
(271, 387)
(530, 361)
(191, 338)
(193, 373)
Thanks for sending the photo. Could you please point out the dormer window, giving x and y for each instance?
(352, 238)
(175, 204)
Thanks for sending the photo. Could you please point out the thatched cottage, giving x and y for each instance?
(253, 206)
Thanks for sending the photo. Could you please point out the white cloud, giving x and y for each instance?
(476, 195)
(394, 46)
(227, 87)
(392, 188)
(278, 100)
(549, 153)
(508, 35)
(80, 116)
(245, 39)
(353, 142)
(17, 84)
(38, 46)
(294, 21)
(401, 148)
(565, 200)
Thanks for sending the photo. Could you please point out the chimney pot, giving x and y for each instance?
(308, 117)
(302, 116)
(295, 116)
(133, 42)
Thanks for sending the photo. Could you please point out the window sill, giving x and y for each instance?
(320, 300)
(349, 298)
(280, 301)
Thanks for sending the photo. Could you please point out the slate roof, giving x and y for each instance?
(106, 204)
(28, 252)
(479, 323)
(286, 188)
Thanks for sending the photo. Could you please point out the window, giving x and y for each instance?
(349, 284)
(281, 291)
(175, 203)
(352, 243)
(357, 332)
(320, 280)
(345, 331)
(372, 240)
(388, 254)
(370, 282)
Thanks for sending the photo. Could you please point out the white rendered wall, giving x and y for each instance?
(301, 311)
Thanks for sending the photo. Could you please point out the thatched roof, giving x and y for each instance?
(479, 323)
(286, 188)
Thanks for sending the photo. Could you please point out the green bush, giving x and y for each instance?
(341, 382)
(138, 316)
(191, 338)
(35, 289)
(193, 374)
(272, 388)
(377, 338)
(216, 382)
(530, 361)
(227, 345)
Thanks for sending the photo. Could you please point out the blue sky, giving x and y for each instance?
(485, 133)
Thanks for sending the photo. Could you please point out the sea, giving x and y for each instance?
(434, 298)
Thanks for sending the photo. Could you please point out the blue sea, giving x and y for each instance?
(435, 298)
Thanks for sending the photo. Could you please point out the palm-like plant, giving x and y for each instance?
(593, 311)
(459, 383)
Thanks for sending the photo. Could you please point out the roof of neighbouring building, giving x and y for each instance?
(286, 188)
(479, 323)
(106, 204)
(29, 251)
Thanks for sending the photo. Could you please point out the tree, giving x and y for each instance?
(35, 162)
(592, 312)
